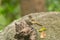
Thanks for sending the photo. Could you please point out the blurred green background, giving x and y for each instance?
(53, 5)
(10, 10)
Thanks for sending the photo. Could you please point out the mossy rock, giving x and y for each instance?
(49, 20)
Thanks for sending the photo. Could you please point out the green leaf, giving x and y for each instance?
(42, 29)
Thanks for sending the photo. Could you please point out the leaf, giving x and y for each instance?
(42, 29)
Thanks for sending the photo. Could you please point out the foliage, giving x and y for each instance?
(53, 5)
(9, 11)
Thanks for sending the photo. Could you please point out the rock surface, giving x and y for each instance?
(50, 20)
